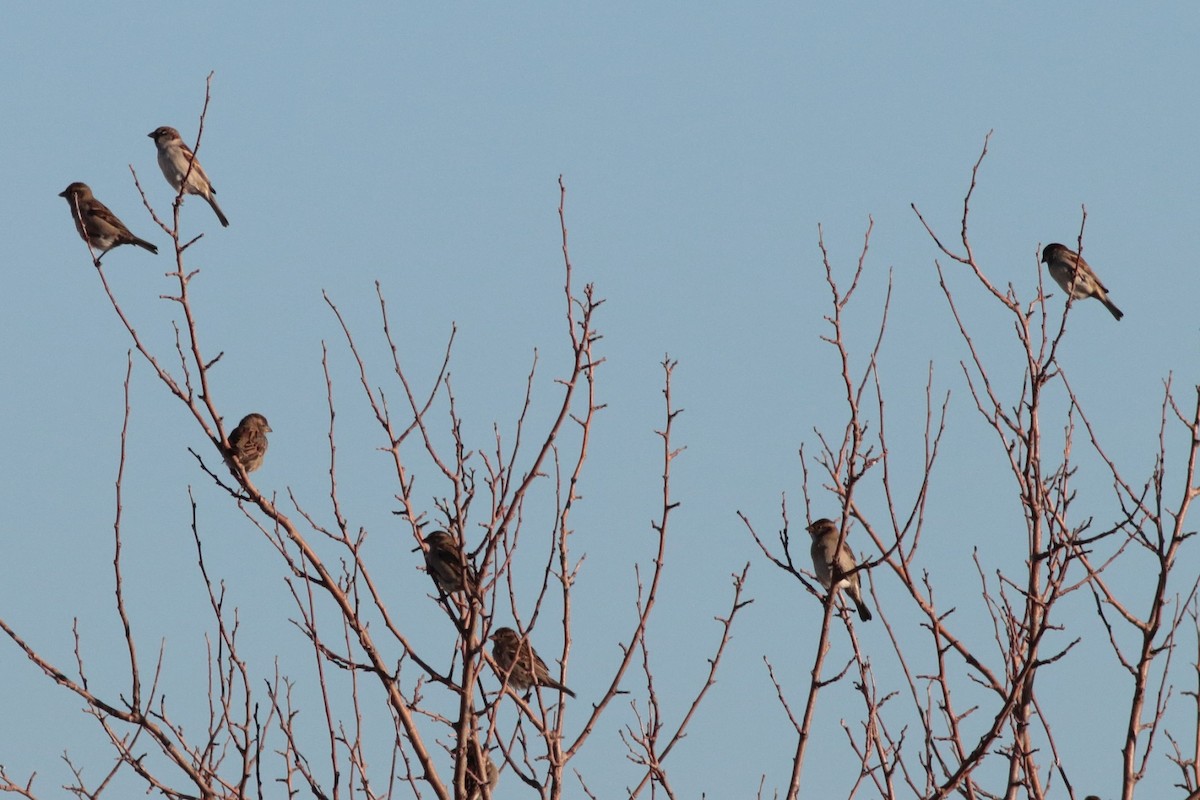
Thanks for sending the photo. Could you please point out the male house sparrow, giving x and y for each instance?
(96, 224)
(444, 561)
(1062, 265)
(174, 157)
(518, 661)
(248, 441)
(825, 564)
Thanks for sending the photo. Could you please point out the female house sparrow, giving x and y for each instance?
(444, 561)
(96, 224)
(174, 157)
(826, 562)
(519, 664)
(474, 774)
(1062, 264)
(248, 441)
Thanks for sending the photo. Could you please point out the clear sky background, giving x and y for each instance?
(701, 148)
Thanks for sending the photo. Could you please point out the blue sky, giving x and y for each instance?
(701, 148)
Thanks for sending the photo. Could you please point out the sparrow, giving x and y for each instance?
(98, 226)
(445, 563)
(519, 664)
(248, 441)
(824, 543)
(1061, 263)
(474, 774)
(174, 157)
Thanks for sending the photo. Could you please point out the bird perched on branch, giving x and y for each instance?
(96, 224)
(1067, 267)
(519, 664)
(248, 441)
(829, 559)
(174, 157)
(447, 565)
(475, 775)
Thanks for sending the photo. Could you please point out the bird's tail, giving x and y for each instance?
(855, 594)
(145, 245)
(1112, 309)
(864, 613)
(217, 209)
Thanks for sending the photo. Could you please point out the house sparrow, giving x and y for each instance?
(98, 226)
(824, 543)
(248, 441)
(174, 157)
(519, 664)
(446, 564)
(1061, 263)
(475, 789)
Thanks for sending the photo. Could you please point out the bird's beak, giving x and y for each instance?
(63, 193)
(150, 134)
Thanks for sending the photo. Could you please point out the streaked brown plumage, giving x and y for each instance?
(517, 659)
(173, 159)
(445, 562)
(248, 441)
(824, 544)
(1062, 261)
(96, 224)
(474, 774)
